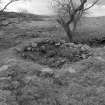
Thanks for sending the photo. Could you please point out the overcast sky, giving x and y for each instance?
(42, 7)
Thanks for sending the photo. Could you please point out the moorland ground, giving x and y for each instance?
(38, 66)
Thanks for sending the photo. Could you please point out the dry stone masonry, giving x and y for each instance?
(55, 53)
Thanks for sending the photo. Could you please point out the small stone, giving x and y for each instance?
(51, 54)
(58, 44)
(68, 44)
(34, 44)
(85, 47)
(71, 70)
(71, 43)
(15, 84)
(43, 49)
(62, 41)
(47, 70)
(18, 49)
(80, 45)
(29, 48)
(4, 67)
(67, 68)
(83, 56)
(100, 58)
(100, 89)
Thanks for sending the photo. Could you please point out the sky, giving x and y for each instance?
(33, 6)
(43, 7)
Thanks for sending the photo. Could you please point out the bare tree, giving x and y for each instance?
(69, 12)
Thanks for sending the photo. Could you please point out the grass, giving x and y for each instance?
(88, 30)
(24, 82)
(24, 86)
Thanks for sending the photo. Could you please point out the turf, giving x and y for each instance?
(26, 82)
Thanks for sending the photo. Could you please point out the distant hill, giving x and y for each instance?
(93, 22)
(27, 16)
(91, 28)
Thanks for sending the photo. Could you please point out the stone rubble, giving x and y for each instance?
(55, 53)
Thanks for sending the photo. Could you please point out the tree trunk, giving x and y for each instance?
(69, 32)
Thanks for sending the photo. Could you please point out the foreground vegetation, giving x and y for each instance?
(26, 83)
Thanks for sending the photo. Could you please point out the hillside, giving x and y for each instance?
(27, 16)
(38, 66)
(93, 22)
(90, 28)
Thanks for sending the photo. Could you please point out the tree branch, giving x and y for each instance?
(5, 7)
(61, 21)
(91, 5)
